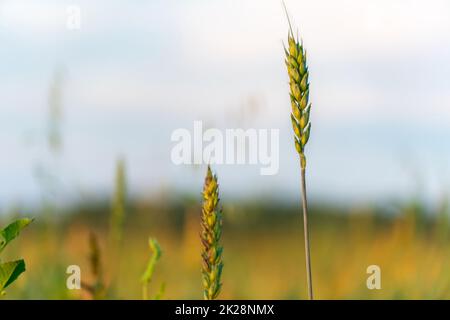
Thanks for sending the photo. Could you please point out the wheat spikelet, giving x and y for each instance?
(295, 59)
(212, 264)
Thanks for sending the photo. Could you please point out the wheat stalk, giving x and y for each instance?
(118, 204)
(147, 277)
(212, 264)
(97, 289)
(299, 93)
(116, 224)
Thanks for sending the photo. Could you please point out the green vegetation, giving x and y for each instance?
(148, 274)
(11, 270)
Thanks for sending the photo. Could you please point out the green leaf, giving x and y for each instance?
(10, 271)
(12, 231)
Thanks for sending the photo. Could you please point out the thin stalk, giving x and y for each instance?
(297, 68)
(148, 274)
(306, 234)
(144, 292)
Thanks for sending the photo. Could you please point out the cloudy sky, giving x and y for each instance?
(137, 70)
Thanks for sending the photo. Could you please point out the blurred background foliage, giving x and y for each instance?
(263, 251)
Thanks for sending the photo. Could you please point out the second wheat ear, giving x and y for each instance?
(299, 95)
(211, 223)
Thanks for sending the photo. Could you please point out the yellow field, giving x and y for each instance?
(263, 254)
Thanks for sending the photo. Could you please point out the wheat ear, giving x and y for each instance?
(299, 94)
(211, 223)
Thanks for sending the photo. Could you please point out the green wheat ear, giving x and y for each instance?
(295, 60)
(211, 224)
(299, 93)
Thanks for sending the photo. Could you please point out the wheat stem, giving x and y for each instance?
(118, 205)
(306, 234)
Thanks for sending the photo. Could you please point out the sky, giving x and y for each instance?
(137, 70)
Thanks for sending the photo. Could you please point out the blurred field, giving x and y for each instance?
(263, 251)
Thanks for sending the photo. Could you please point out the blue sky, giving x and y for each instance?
(137, 70)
